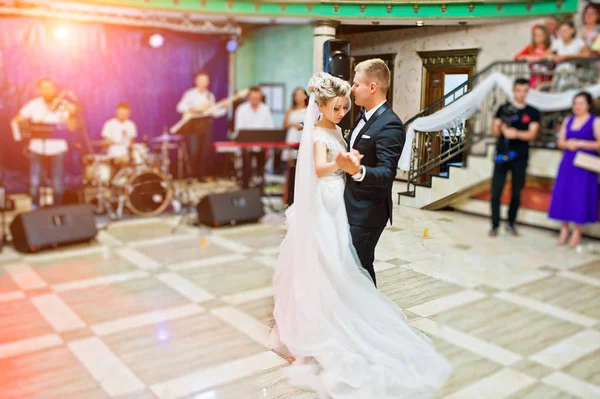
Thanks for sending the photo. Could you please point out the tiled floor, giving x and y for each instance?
(143, 313)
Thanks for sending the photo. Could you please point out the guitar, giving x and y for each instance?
(208, 112)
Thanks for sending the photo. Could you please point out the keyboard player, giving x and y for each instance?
(254, 114)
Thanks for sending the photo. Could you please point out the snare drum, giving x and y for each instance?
(139, 154)
(97, 170)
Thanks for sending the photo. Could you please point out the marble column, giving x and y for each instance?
(324, 30)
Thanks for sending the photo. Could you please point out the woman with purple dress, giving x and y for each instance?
(575, 193)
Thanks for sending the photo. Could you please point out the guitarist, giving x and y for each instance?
(194, 101)
(48, 108)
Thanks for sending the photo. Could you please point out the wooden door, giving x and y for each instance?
(430, 145)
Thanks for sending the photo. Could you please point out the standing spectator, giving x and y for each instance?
(293, 121)
(568, 47)
(590, 19)
(515, 125)
(535, 53)
(575, 192)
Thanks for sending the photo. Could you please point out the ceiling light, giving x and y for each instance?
(61, 33)
(232, 45)
(156, 40)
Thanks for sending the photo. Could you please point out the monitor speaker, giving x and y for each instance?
(336, 58)
(53, 227)
(231, 208)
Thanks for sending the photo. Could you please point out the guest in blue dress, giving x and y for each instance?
(575, 193)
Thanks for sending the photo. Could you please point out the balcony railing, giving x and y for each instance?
(433, 151)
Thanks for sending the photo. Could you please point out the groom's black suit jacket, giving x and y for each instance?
(369, 202)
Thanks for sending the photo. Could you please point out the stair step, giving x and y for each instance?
(456, 164)
(443, 175)
(407, 193)
(428, 184)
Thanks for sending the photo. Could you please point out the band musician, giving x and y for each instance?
(48, 108)
(197, 100)
(254, 114)
(118, 135)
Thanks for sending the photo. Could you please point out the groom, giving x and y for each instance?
(379, 137)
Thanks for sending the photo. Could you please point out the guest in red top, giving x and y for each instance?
(540, 49)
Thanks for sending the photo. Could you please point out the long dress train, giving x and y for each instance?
(348, 339)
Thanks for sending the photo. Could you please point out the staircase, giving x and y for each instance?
(444, 189)
(448, 167)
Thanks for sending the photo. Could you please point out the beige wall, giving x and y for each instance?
(497, 42)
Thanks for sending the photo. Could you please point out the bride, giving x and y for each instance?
(348, 339)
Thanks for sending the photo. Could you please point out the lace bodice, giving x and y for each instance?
(333, 141)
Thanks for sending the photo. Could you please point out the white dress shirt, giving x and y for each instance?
(193, 99)
(361, 123)
(246, 118)
(38, 111)
(120, 134)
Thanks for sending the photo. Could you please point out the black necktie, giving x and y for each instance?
(361, 115)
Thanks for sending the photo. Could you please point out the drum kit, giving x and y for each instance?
(140, 182)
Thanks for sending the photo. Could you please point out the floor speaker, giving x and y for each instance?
(53, 227)
(231, 208)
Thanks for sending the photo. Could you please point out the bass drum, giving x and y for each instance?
(147, 191)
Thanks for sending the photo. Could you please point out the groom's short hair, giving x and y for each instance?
(375, 70)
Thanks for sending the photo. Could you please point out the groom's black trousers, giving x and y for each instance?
(365, 240)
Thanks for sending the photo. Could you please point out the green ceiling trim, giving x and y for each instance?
(475, 9)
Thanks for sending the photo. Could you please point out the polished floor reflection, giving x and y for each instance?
(146, 313)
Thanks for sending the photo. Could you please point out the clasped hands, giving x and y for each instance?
(349, 162)
(509, 132)
(575, 144)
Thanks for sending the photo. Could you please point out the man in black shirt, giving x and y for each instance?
(515, 125)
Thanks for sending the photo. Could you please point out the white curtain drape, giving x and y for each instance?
(463, 108)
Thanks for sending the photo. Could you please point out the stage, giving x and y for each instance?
(142, 312)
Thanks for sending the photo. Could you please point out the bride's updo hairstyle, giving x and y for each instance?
(327, 87)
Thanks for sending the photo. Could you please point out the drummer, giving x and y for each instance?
(119, 134)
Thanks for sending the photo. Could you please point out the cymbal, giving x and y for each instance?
(166, 137)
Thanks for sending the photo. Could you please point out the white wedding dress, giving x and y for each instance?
(349, 340)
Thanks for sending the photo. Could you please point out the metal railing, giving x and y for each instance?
(433, 151)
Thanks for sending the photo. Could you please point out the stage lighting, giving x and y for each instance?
(232, 45)
(156, 40)
(61, 33)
